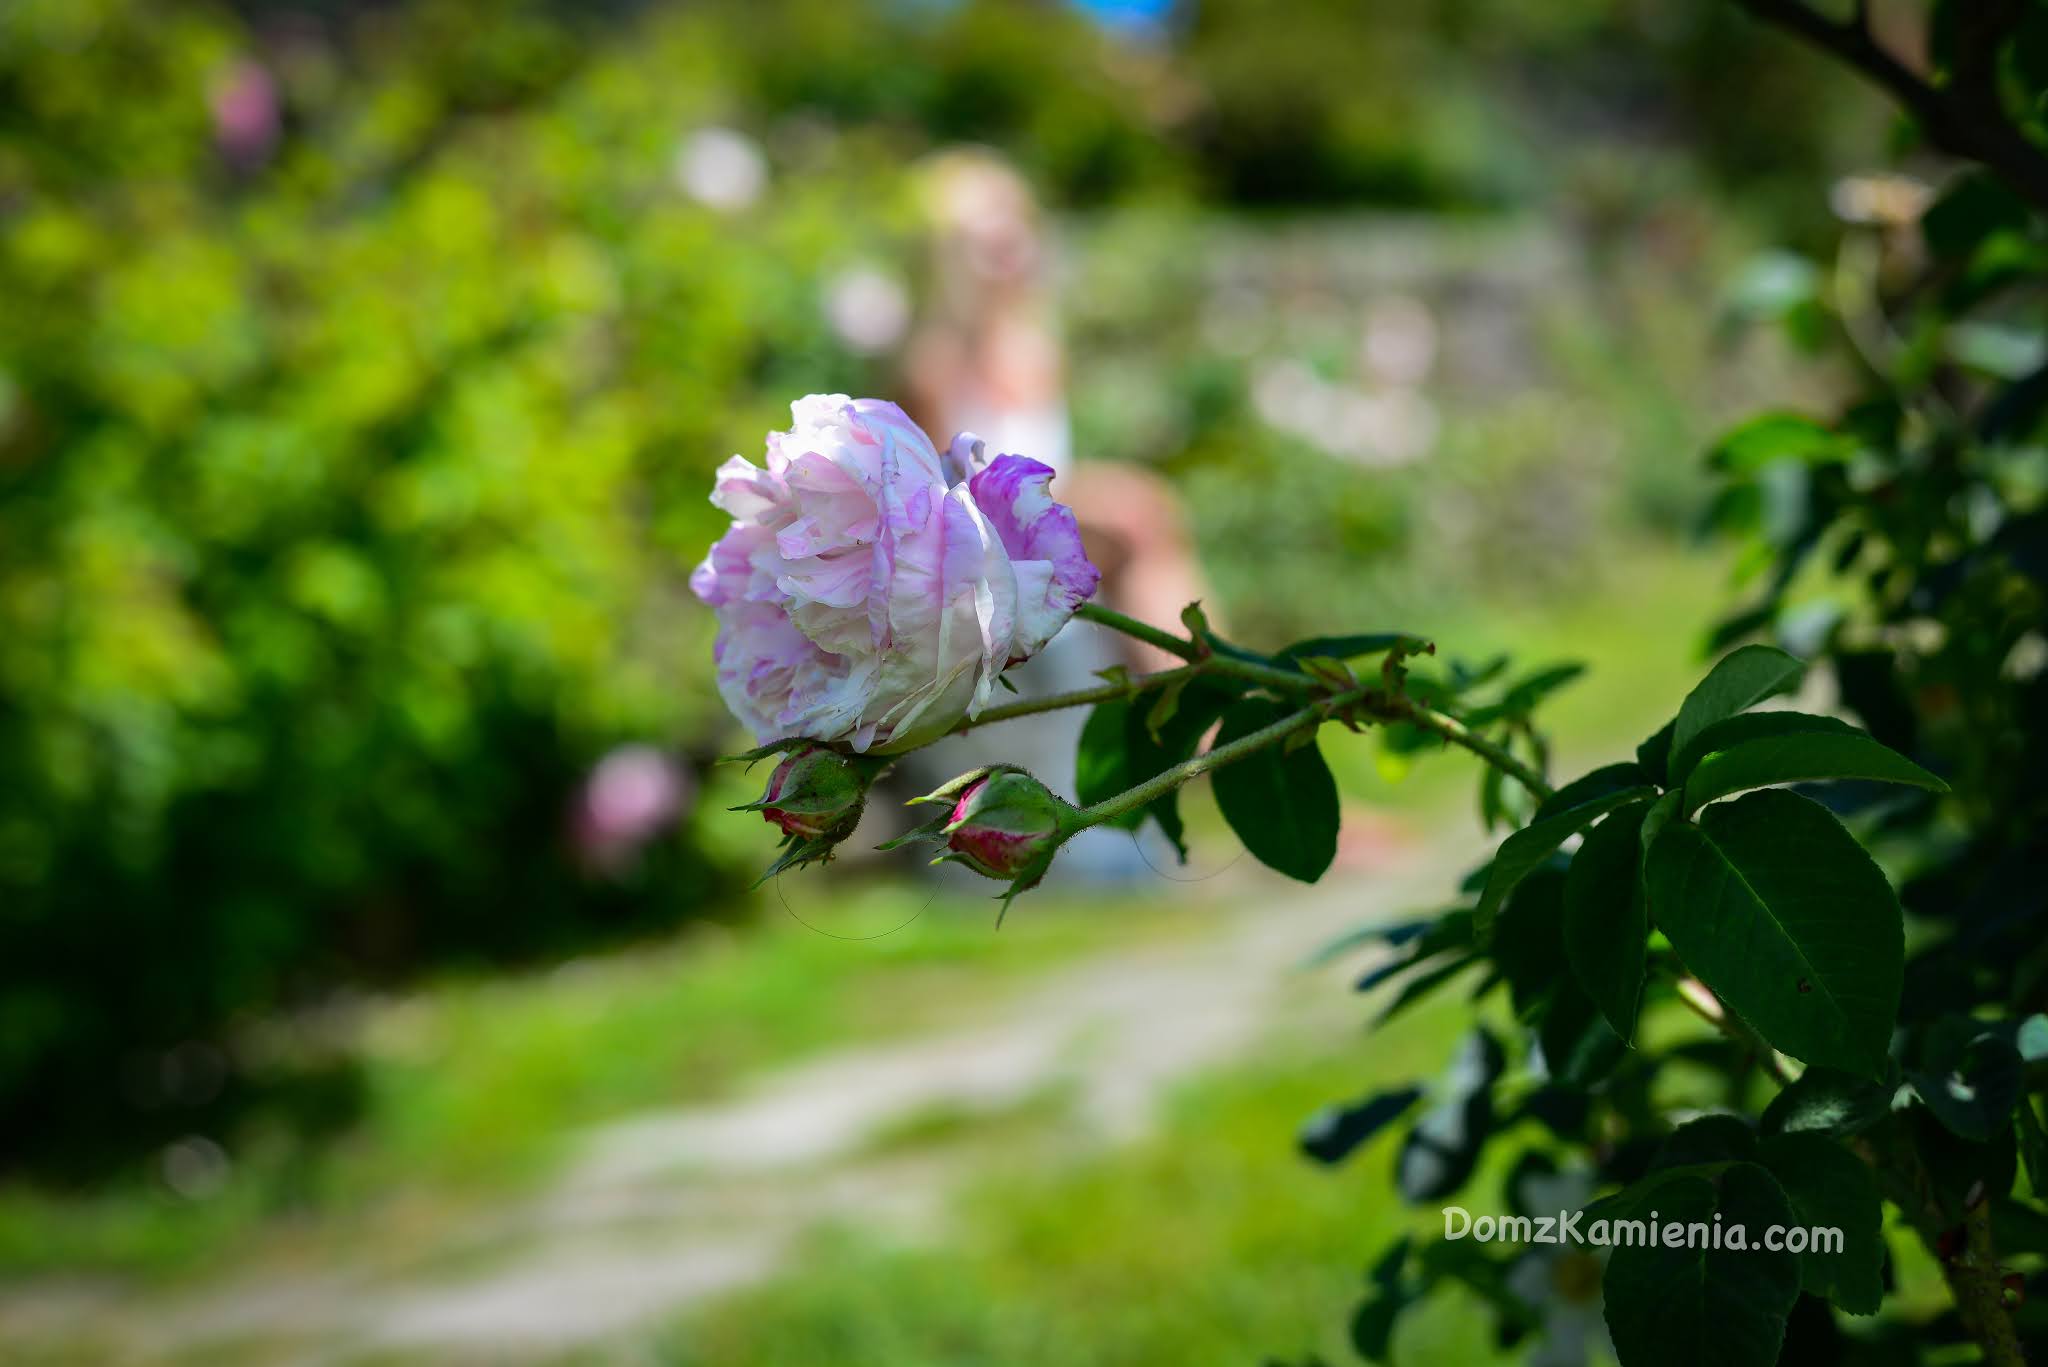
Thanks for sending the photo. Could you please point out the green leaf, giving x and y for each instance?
(1528, 940)
(1451, 931)
(1522, 698)
(1767, 748)
(1743, 678)
(1654, 754)
(1784, 916)
(1831, 1189)
(1706, 1140)
(1579, 1047)
(1605, 918)
(1974, 207)
(1689, 1306)
(1777, 436)
(1962, 1172)
(1344, 647)
(1440, 1153)
(1493, 810)
(2032, 1141)
(1661, 814)
(1969, 1076)
(1163, 709)
(1282, 804)
(1105, 765)
(2017, 1227)
(1536, 842)
(1422, 984)
(1610, 778)
(1389, 933)
(1119, 749)
(1372, 1325)
(1828, 1101)
(1334, 1132)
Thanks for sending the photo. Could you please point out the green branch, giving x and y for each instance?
(1385, 706)
(1166, 780)
(1139, 631)
(1457, 733)
(1083, 697)
(1199, 652)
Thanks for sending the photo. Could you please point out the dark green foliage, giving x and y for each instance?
(1708, 1140)
(1331, 1135)
(1772, 437)
(1828, 1101)
(1579, 1046)
(1605, 917)
(1787, 747)
(1125, 742)
(1969, 1077)
(1903, 555)
(1738, 682)
(346, 490)
(1831, 1188)
(1443, 1148)
(1712, 1307)
(1779, 910)
(1282, 801)
(1536, 842)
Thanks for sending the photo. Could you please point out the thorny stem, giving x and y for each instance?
(1083, 697)
(1457, 733)
(1133, 798)
(1969, 1263)
(1384, 706)
(1980, 1293)
(1971, 1270)
(1137, 630)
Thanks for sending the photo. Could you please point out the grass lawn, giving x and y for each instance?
(473, 1085)
(1210, 1242)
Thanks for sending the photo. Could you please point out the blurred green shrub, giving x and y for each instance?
(362, 366)
(359, 389)
(1381, 417)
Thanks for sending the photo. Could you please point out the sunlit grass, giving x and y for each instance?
(1211, 1242)
(473, 1086)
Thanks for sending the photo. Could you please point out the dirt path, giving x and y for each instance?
(664, 1210)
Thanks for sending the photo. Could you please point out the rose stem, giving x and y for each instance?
(1165, 781)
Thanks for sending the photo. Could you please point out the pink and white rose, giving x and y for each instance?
(871, 589)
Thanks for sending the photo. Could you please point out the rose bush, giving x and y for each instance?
(1717, 1006)
(871, 590)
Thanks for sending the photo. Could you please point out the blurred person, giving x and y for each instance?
(985, 358)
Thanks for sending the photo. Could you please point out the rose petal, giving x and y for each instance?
(1013, 494)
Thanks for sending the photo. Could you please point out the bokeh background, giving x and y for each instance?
(379, 971)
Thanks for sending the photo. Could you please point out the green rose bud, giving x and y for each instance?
(815, 794)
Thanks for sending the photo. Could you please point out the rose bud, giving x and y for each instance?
(1006, 824)
(814, 794)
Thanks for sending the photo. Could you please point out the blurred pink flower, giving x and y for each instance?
(870, 590)
(632, 794)
(246, 117)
